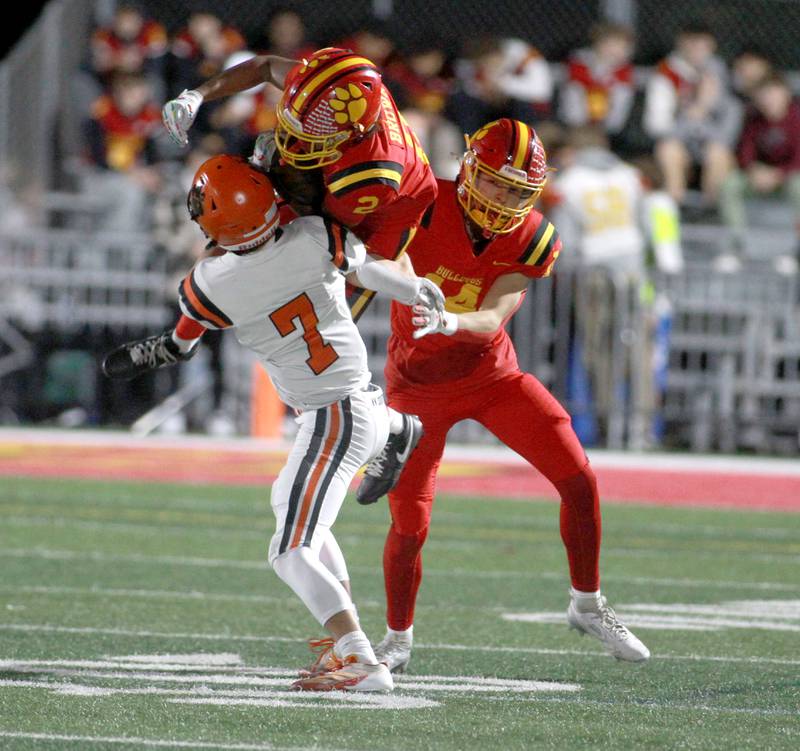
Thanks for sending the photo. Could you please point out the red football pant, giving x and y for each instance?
(525, 416)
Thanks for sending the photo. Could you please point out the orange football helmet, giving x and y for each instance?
(331, 97)
(503, 173)
(233, 203)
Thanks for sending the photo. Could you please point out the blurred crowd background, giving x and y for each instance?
(674, 133)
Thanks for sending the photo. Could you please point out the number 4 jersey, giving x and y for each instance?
(286, 302)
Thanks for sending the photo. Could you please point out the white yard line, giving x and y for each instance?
(196, 561)
(49, 628)
(156, 594)
(96, 555)
(153, 742)
(189, 529)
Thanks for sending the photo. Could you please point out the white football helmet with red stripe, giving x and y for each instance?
(503, 173)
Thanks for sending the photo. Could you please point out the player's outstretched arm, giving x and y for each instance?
(499, 303)
(252, 72)
(179, 113)
(393, 279)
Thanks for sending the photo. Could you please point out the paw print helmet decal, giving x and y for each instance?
(331, 97)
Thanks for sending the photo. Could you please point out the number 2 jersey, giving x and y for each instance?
(382, 184)
(286, 302)
(443, 251)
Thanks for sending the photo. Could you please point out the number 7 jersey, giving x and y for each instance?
(286, 302)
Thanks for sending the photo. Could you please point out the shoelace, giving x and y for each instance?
(375, 467)
(609, 619)
(321, 648)
(152, 352)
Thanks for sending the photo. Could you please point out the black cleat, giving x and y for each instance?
(134, 358)
(384, 470)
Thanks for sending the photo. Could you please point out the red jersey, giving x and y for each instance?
(443, 252)
(124, 137)
(584, 70)
(111, 52)
(382, 185)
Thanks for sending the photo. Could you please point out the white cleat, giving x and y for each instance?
(602, 623)
(353, 676)
(394, 652)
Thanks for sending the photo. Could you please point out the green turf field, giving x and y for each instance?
(143, 616)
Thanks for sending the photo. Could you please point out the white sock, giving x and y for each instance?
(408, 634)
(585, 601)
(356, 643)
(395, 421)
(184, 345)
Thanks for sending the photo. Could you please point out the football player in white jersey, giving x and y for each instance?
(282, 291)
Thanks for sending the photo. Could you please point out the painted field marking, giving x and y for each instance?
(259, 511)
(199, 562)
(155, 594)
(150, 742)
(288, 601)
(261, 529)
(207, 685)
(765, 615)
(48, 628)
(19, 520)
(493, 689)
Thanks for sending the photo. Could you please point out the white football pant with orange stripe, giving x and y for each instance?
(332, 444)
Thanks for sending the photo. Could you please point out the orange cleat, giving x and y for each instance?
(353, 676)
(326, 659)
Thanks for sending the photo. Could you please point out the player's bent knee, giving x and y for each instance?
(301, 569)
(411, 535)
(580, 488)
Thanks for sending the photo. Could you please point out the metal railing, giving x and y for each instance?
(35, 82)
(727, 376)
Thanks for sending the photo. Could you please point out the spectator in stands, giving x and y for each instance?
(201, 48)
(599, 86)
(421, 81)
(131, 44)
(120, 136)
(285, 35)
(597, 207)
(373, 40)
(769, 160)
(660, 218)
(240, 118)
(598, 213)
(749, 67)
(500, 78)
(692, 115)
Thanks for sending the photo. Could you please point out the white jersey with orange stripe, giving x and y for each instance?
(286, 302)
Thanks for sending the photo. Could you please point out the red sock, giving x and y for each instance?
(581, 528)
(186, 328)
(402, 573)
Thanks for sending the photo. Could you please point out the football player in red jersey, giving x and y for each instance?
(482, 243)
(337, 116)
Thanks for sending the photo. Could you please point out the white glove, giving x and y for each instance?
(263, 150)
(429, 295)
(432, 321)
(179, 114)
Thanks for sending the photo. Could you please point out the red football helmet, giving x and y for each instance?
(233, 203)
(502, 175)
(328, 99)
